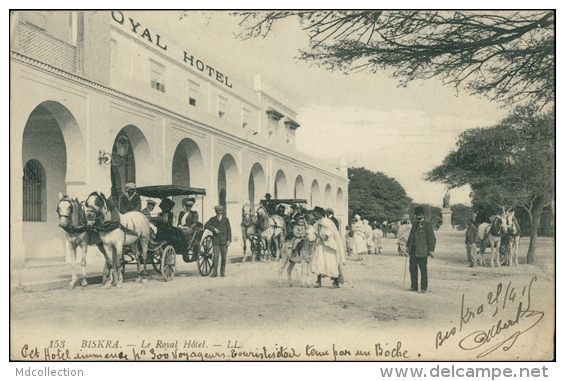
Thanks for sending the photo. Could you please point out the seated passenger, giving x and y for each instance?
(188, 218)
(299, 234)
(166, 214)
(149, 208)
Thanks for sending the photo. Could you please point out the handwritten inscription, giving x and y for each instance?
(193, 350)
(509, 316)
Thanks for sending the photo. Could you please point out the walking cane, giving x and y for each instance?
(404, 281)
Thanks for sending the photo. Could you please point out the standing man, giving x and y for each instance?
(149, 208)
(421, 243)
(328, 254)
(130, 201)
(471, 240)
(330, 215)
(221, 239)
(360, 242)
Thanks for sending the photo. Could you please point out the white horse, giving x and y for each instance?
(491, 234)
(132, 227)
(513, 232)
(304, 257)
(271, 229)
(72, 219)
(247, 229)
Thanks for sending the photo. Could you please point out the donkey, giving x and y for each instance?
(491, 234)
(131, 228)
(304, 257)
(72, 219)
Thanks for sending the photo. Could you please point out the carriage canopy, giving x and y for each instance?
(162, 191)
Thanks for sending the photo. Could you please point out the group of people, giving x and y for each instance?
(187, 221)
(363, 237)
(417, 241)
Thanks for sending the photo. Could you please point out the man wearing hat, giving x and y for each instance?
(188, 218)
(166, 214)
(130, 200)
(329, 256)
(220, 227)
(421, 244)
(269, 204)
(330, 215)
(149, 208)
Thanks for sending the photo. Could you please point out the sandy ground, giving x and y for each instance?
(248, 315)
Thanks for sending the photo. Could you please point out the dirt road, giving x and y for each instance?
(247, 312)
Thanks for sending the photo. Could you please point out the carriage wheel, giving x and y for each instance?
(154, 257)
(205, 257)
(168, 260)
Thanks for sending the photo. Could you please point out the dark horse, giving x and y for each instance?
(72, 219)
(132, 227)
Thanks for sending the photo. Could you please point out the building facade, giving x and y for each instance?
(82, 82)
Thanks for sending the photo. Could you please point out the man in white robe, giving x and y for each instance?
(368, 236)
(329, 256)
(359, 236)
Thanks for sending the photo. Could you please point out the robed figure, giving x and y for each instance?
(329, 256)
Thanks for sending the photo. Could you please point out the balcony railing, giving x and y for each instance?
(46, 48)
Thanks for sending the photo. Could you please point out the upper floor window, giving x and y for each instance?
(245, 113)
(273, 121)
(222, 106)
(291, 127)
(193, 91)
(157, 75)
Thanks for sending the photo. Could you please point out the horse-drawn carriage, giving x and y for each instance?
(167, 241)
(267, 232)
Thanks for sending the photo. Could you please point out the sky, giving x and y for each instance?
(362, 117)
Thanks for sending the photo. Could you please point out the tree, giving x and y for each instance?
(506, 56)
(461, 214)
(509, 165)
(375, 196)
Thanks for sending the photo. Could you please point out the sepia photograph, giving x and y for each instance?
(283, 185)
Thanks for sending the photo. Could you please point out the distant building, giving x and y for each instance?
(84, 84)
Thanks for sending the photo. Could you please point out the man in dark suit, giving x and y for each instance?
(421, 244)
(220, 227)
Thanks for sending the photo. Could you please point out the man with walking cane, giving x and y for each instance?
(421, 244)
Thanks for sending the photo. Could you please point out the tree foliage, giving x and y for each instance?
(461, 214)
(509, 165)
(375, 196)
(506, 56)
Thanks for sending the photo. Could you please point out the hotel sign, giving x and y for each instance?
(156, 40)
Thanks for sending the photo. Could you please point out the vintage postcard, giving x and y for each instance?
(282, 186)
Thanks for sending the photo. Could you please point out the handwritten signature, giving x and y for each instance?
(524, 320)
